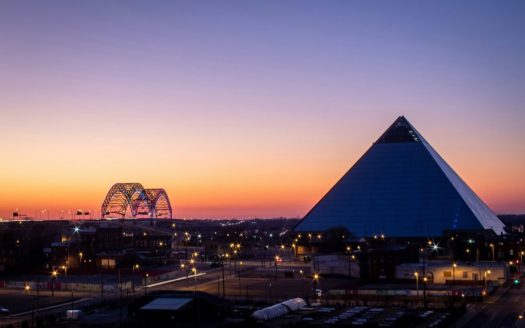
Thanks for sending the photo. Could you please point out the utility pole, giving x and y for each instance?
(239, 275)
(101, 289)
(145, 284)
(223, 283)
(121, 300)
(276, 269)
(270, 291)
(350, 268)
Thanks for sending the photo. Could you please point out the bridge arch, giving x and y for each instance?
(122, 197)
(159, 202)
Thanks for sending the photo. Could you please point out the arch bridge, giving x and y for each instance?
(123, 198)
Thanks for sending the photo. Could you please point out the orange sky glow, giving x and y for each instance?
(250, 110)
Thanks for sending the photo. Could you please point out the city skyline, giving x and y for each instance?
(251, 109)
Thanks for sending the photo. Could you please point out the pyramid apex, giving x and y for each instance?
(400, 131)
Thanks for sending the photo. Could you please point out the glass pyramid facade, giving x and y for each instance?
(401, 187)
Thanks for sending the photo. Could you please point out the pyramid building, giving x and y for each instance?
(401, 187)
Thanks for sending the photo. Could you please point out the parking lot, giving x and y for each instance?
(360, 316)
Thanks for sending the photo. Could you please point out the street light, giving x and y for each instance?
(186, 269)
(487, 272)
(234, 256)
(133, 268)
(316, 278)
(301, 272)
(229, 262)
(145, 284)
(350, 260)
(425, 292)
(416, 274)
(276, 260)
(27, 289)
(194, 271)
(239, 275)
(492, 247)
(454, 265)
(53, 277)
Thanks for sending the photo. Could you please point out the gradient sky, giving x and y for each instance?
(241, 108)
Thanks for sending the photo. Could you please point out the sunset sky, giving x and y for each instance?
(251, 108)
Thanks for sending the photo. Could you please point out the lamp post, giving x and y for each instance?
(182, 267)
(53, 277)
(194, 271)
(350, 260)
(270, 291)
(302, 280)
(133, 268)
(235, 262)
(229, 263)
(27, 290)
(487, 272)
(276, 259)
(492, 247)
(454, 265)
(239, 275)
(188, 269)
(416, 274)
(425, 292)
(316, 278)
(145, 284)
(223, 282)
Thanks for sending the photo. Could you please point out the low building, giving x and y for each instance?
(336, 264)
(168, 308)
(444, 272)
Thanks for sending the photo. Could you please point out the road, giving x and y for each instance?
(499, 311)
(251, 284)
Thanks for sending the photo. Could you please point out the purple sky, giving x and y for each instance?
(243, 108)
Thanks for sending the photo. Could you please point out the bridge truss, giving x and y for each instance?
(133, 198)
